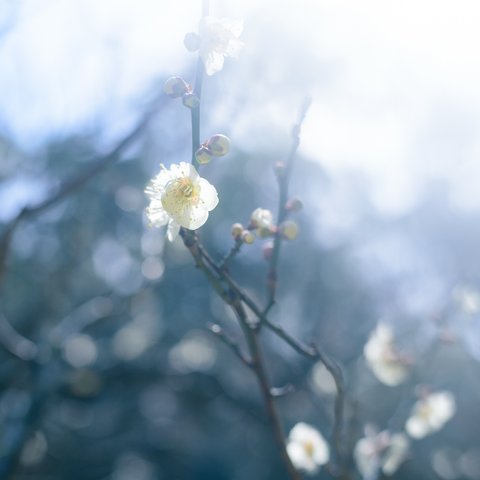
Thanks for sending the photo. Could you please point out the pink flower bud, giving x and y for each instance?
(219, 145)
(203, 155)
(175, 87)
(190, 100)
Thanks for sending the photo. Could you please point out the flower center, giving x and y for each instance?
(425, 411)
(309, 448)
(180, 194)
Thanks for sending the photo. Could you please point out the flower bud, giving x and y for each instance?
(289, 230)
(248, 237)
(203, 155)
(219, 145)
(175, 87)
(190, 100)
(261, 218)
(192, 42)
(237, 230)
(294, 205)
(267, 250)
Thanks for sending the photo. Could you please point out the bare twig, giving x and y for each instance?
(232, 253)
(260, 372)
(283, 175)
(16, 344)
(218, 331)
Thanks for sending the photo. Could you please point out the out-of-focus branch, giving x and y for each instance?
(284, 171)
(16, 344)
(258, 366)
(218, 331)
(73, 184)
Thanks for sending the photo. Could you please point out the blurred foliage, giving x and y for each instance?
(131, 386)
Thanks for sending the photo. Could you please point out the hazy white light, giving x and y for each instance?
(80, 350)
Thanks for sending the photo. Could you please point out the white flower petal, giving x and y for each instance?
(213, 61)
(156, 213)
(300, 459)
(233, 48)
(382, 357)
(235, 26)
(172, 230)
(208, 194)
(416, 427)
(396, 454)
(366, 457)
(193, 217)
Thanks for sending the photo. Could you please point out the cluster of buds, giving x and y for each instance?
(241, 234)
(216, 146)
(262, 225)
(176, 87)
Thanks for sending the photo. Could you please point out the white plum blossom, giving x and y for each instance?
(380, 451)
(386, 363)
(179, 197)
(217, 38)
(430, 414)
(262, 221)
(306, 448)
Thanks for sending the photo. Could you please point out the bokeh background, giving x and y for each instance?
(128, 383)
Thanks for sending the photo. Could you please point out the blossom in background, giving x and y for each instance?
(306, 448)
(380, 451)
(179, 197)
(430, 414)
(217, 38)
(262, 221)
(387, 364)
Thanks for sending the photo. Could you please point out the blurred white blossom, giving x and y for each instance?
(387, 364)
(217, 39)
(307, 448)
(179, 197)
(380, 451)
(467, 298)
(430, 414)
(261, 220)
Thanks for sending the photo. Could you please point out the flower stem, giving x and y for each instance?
(197, 90)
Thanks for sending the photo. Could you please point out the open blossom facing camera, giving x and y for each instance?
(179, 197)
(306, 448)
(430, 414)
(380, 451)
(217, 39)
(386, 363)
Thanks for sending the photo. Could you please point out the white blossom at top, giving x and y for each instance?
(306, 448)
(380, 451)
(430, 414)
(217, 38)
(179, 197)
(386, 363)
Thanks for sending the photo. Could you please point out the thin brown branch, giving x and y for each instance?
(309, 351)
(284, 172)
(218, 331)
(261, 374)
(232, 253)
